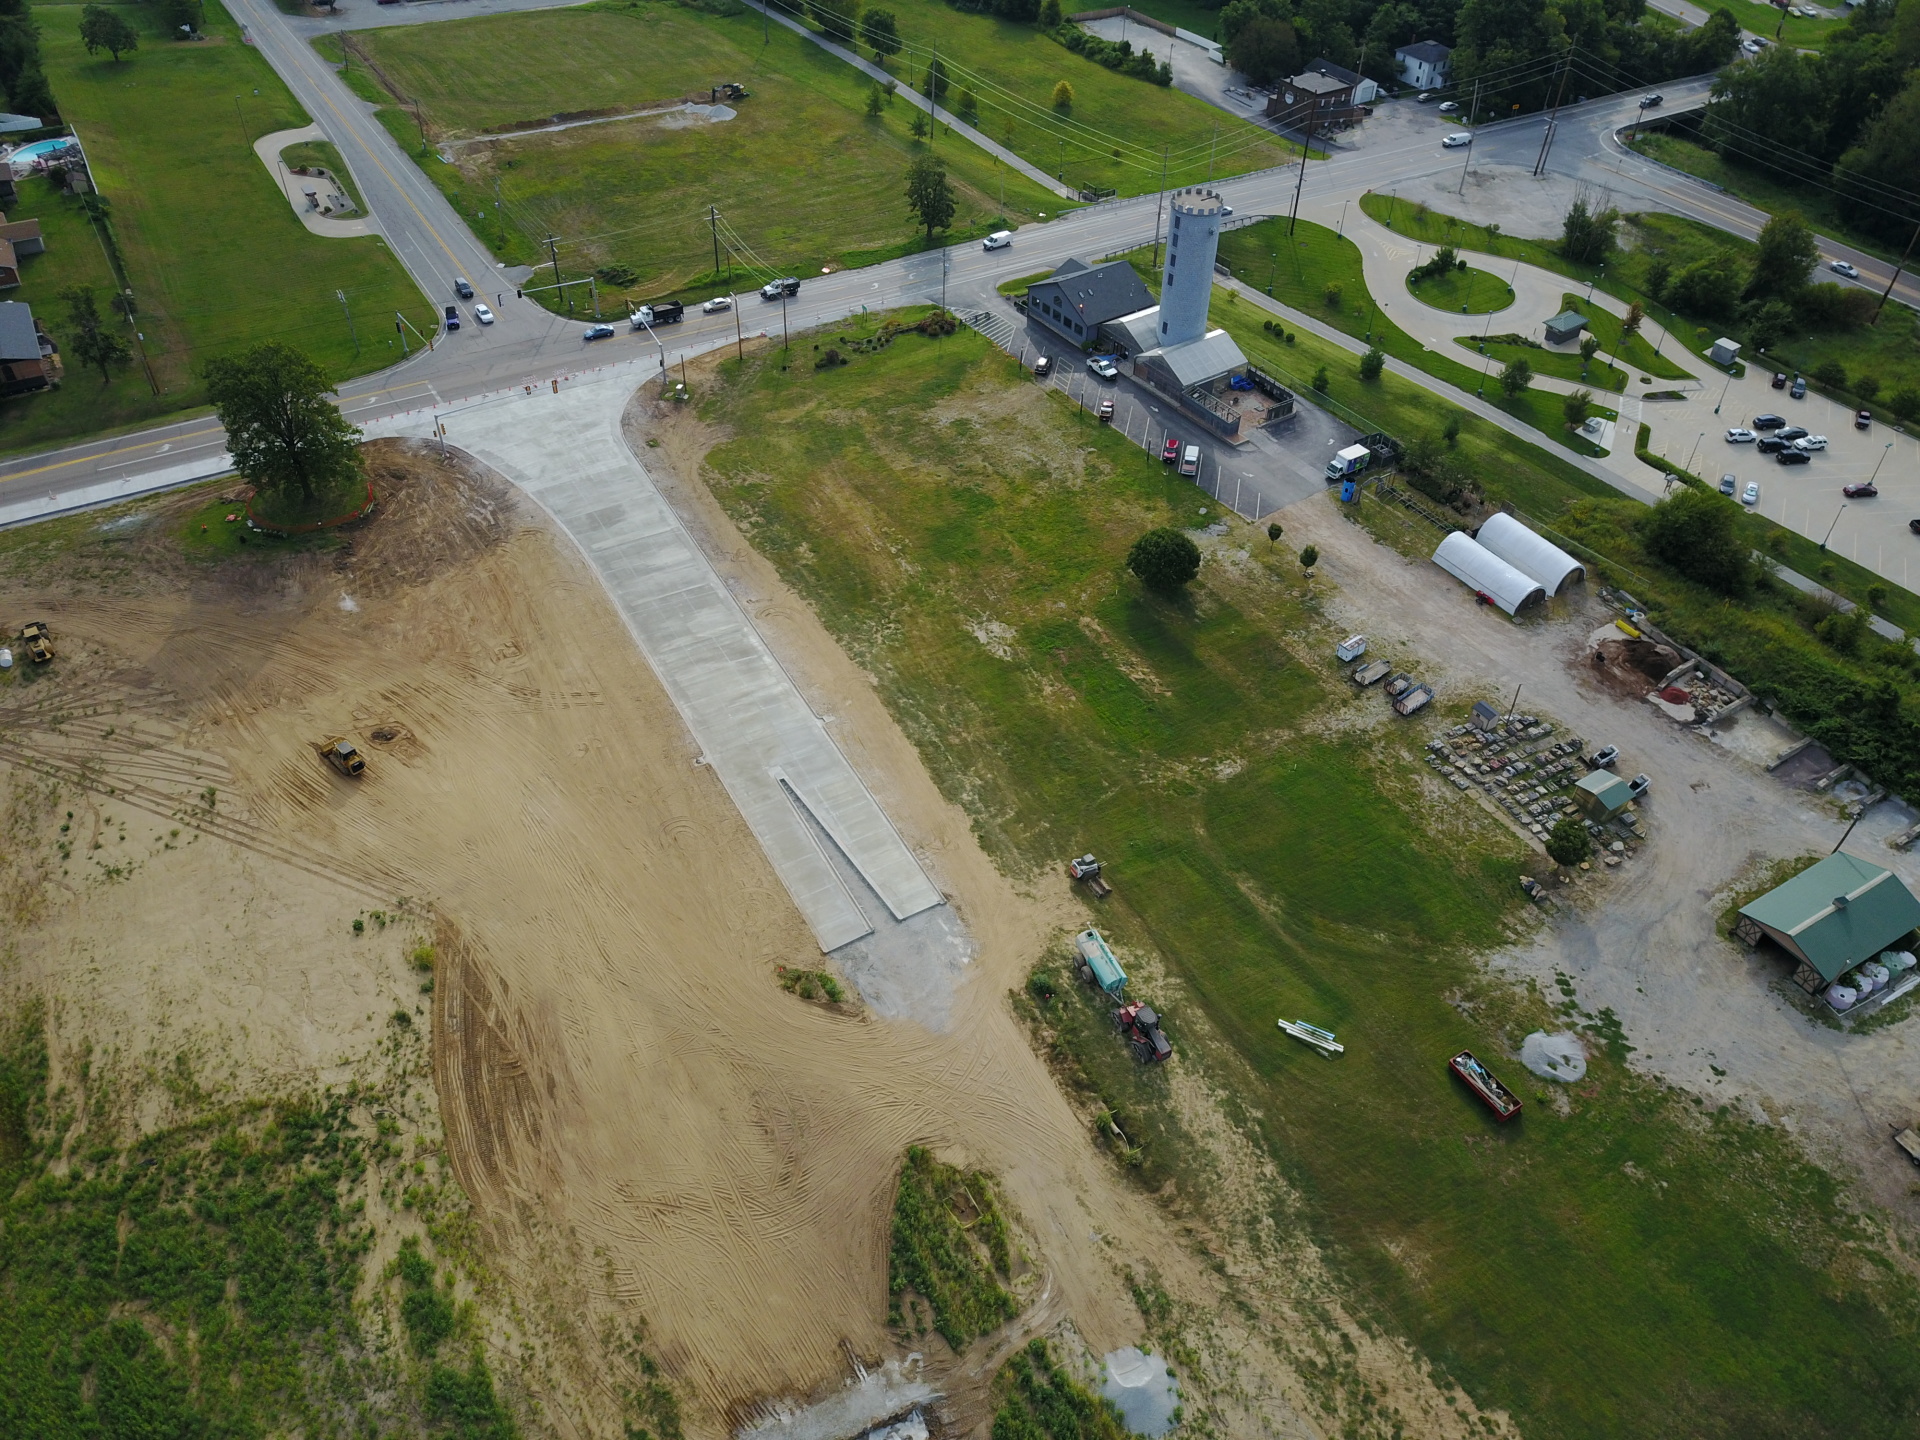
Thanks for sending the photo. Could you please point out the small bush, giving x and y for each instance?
(1309, 557)
(1372, 363)
(1321, 380)
(1905, 402)
(616, 274)
(1866, 386)
(1062, 96)
(1831, 372)
(1332, 294)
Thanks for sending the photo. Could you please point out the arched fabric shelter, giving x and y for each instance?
(1478, 568)
(1530, 553)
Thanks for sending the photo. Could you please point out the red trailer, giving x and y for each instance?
(1482, 1081)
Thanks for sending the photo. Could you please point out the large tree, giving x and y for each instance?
(283, 432)
(881, 33)
(1164, 559)
(1877, 177)
(1265, 51)
(88, 340)
(1787, 256)
(1698, 533)
(930, 193)
(104, 29)
(840, 19)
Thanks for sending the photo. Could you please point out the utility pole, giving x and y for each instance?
(1546, 140)
(1467, 159)
(126, 301)
(1159, 206)
(713, 224)
(783, 326)
(1300, 181)
(1896, 277)
(341, 296)
(739, 341)
(401, 331)
(553, 255)
(1211, 146)
(933, 98)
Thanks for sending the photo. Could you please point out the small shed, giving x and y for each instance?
(1484, 716)
(1565, 328)
(1836, 914)
(1601, 795)
(1724, 351)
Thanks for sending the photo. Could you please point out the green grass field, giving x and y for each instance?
(1598, 373)
(1464, 292)
(1631, 1265)
(802, 178)
(216, 257)
(1118, 125)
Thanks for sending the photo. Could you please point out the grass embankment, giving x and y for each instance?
(1506, 348)
(320, 154)
(1627, 1266)
(215, 255)
(1463, 292)
(200, 1278)
(802, 178)
(1113, 135)
(951, 1249)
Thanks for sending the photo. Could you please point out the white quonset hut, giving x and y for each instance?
(1530, 553)
(1478, 568)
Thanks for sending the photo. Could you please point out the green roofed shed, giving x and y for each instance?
(1601, 795)
(1565, 326)
(1836, 914)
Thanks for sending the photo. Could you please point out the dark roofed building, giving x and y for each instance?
(1365, 91)
(1565, 327)
(1314, 101)
(1425, 64)
(27, 359)
(1834, 915)
(1078, 298)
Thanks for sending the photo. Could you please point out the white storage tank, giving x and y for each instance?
(1478, 568)
(1530, 553)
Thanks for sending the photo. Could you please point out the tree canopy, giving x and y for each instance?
(1164, 559)
(104, 29)
(929, 192)
(1265, 50)
(283, 431)
(1697, 533)
(880, 32)
(88, 340)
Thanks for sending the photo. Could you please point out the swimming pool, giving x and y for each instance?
(23, 158)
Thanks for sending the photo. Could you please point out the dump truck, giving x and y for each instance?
(1412, 700)
(38, 640)
(1350, 461)
(665, 312)
(1141, 1027)
(342, 756)
(1086, 870)
(1482, 1081)
(1372, 673)
(1097, 965)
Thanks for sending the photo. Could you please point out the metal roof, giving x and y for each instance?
(1096, 293)
(1317, 84)
(1198, 361)
(1529, 553)
(1567, 320)
(1837, 913)
(1473, 565)
(18, 339)
(1611, 792)
(1432, 51)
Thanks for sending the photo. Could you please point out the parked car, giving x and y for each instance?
(1423, 97)
(1106, 411)
(1450, 107)
(452, 313)
(1773, 445)
(1739, 435)
(598, 332)
(483, 314)
(1752, 47)
(1170, 452)
(719, 304)
(1457, 139)
(1101, 366)
(1751, 495)
(1914, 526)
(462, 288)
(998, 240)
(1865, 490)
(1638, 786)
(1862, 419)
(1799, 390)
(1768, 422)
(1603, 759)
(1791, 456)
(1779, 379)
(1647, 102)
(1043, 367)
(1729, 484)
(1190, 461)
(1810, 443)
(1841, 267)
(1790, 434)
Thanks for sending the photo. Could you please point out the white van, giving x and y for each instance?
(998, 240)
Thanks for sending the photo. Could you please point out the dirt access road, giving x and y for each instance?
(1703, 1012)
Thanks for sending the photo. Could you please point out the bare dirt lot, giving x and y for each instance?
(653, 1134)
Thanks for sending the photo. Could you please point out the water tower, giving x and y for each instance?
(1186, 284)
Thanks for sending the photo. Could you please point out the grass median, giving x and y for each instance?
(215, 256)
(799, 179)
(1462, 292)
(1626, 1266)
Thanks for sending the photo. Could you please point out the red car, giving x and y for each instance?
(1170, 452)
(1865, 490)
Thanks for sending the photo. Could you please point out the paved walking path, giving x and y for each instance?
(295, 187)
(772, 753)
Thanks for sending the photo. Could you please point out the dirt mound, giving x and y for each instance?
(1631, 667)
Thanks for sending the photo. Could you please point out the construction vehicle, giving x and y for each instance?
(1141, 1027)
(1482, 1081)
(1087, 871)
(1097, 965)
(661, 312)
(342, 756)
(39, 641)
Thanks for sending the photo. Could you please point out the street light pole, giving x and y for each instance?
(1881, 461)
(1723, 393)
(1688, 467)
(1836, 520)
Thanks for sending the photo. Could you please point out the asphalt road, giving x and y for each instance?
(529, 345)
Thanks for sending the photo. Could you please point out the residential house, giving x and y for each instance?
(1425, 64)
(1315, 103)
(17, 238)
(28, 360)
(1078, 298)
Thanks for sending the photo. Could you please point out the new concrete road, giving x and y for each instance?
(531, 346)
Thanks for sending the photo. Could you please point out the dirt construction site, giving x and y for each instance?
(653, 1135)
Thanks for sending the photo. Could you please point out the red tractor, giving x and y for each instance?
(1141, 1028)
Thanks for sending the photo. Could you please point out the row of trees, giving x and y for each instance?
(1848, 117)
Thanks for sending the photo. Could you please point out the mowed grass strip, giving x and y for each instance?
(1117, 128)
(801, 177)
(1630, 1264)
(214, 253)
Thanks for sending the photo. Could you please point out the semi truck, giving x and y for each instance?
(1350, 461)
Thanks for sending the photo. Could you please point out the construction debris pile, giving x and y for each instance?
(1516, 764)
(1696, 691)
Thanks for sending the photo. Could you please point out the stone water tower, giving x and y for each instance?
(1186, 284)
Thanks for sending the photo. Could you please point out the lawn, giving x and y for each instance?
(1118, 127)
(216, 257)
(1464, 292)
(635, 194)
(1506, 348)
(1630, 1265)
(1795, 30)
